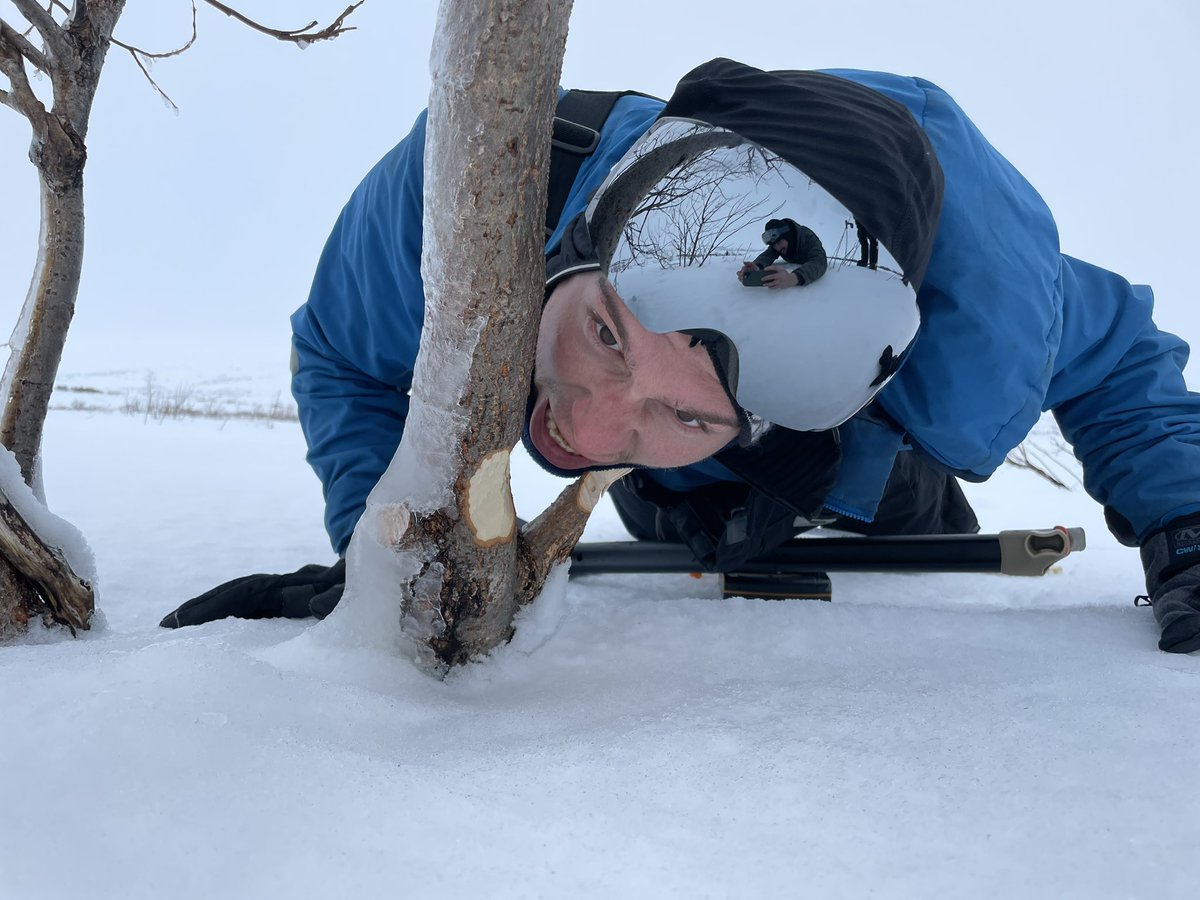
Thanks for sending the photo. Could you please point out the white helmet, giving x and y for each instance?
(679, 218)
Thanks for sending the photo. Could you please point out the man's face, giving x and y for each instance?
(609, 392)
(780, 246)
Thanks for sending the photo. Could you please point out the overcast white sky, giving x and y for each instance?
(203, 227)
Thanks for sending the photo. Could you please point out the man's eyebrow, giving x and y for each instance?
(612, 305)
(713, 418)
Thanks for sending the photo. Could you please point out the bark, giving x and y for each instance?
(45, 320)
(35, 579)
(548, 540)
(38, 581)
(495, 82)
(59, 151)
(463, 569)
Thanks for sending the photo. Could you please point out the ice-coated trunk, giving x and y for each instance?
(495, 71)
(41, 332)
(35, 577)
(75, 54)
(439, 537)
(444, 510)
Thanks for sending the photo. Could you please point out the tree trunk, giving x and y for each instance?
(36, 580)
(41, 332)
(77, 51)
(439, 536)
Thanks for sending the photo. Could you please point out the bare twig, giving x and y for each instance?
(138, 51)
(153, 83)
(298, 35)
(138, 54)
(304, 35)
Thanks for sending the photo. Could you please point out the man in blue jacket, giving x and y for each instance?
(885, 390)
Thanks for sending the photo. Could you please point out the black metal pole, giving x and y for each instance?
(918, 553)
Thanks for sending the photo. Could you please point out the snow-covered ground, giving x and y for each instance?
(920, 736)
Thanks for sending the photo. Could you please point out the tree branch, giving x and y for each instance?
(41, 19)
(548, 540)
(20, 95)
(68, 596)
(298, 36)
(137, 53)
(22, 46)
(303, 35)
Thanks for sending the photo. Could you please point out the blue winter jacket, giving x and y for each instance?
(1010, 327)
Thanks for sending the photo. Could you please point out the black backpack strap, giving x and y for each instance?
(577, 122)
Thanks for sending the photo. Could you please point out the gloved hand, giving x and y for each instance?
(1171, 559)
(309, 591)
(776, 278)
(728, 538)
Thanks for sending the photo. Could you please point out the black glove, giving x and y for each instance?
(728, 538)
(723, 524)
(1171, 559)
(310, 591)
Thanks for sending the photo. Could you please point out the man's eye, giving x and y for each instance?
(607, 338)
(688, 419)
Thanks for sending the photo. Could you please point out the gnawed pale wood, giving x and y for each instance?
(488, 501)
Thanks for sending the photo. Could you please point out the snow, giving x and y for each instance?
(920, 736)
(53, 530)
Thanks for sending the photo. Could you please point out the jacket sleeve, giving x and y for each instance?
(356, 338)
(813, 261)
(975, 381)
(765, 258)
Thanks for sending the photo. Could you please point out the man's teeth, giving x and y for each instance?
(557, 436)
